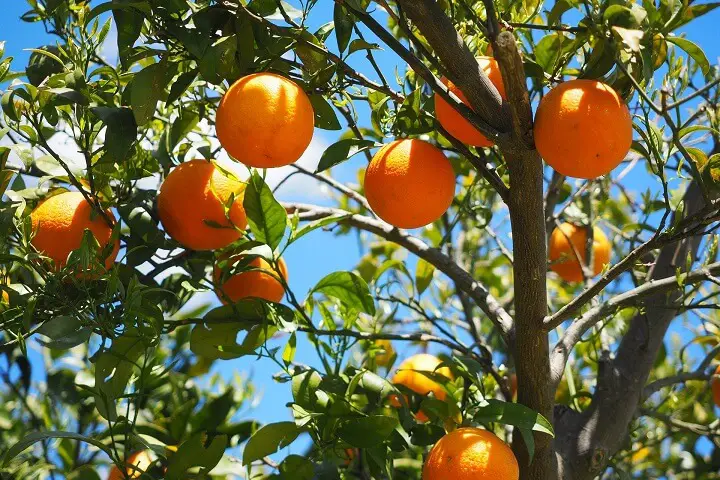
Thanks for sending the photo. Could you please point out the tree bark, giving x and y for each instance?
(584, 442)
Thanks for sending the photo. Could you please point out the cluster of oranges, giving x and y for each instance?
(463, 453)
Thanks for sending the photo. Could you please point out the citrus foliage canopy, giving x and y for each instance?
(609, 361)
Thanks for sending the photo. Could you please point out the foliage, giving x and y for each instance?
(126, 365)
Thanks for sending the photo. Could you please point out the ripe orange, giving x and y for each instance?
(471, 453)
(563, 259)
(408, 374)
(140, 460)
(715, 387)
(265, 120)
(254, 283)
(194, 193)
(454, 122)
(583, 128)
(59, 223)
(409, 183)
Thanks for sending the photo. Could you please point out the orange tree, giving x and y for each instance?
(593, 359)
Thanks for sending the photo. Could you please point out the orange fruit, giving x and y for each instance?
(453, 121)
(471, 453)
(136, 463)
(383, 359)
(254, 283)
(408, 374)
(59, 224)
(563, 259)
(265, 120)
(715, 387)
(195, 193)
(583, 128)
(409, 183)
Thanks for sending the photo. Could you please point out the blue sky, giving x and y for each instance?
(319, 253)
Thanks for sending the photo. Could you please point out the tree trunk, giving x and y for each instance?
(586, 441)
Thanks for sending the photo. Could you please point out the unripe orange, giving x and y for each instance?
(453, 121)
(254, 283)
(583, 128)
(265, 120)
(563, 259)
(471, 454)
(409, 183)
(191, 205)
(59, 224)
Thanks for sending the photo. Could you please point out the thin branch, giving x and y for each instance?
(336, 185)
(632, 297)
(464, 280)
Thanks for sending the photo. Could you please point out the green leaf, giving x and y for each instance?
(367, 432)
(214, 412)
(220, 61)
(304, 387)
(289, 352)
(349, 288)
(360, 44)
(193, 453)
(65, 332)
(413, 117)
(695, 52)
(181, 84)
(423, 275)
(35, 437)
(218, 340)
(318, 224)
(548, 51)
(342, 150)
(513, 414)
(121, 130)
(344, 22)
(296, 467)
(106, 7)
(325, 117)
(269, 439)
(147, 89)
(621, 16)
(113, 369)
(266, 217)
(182, 125)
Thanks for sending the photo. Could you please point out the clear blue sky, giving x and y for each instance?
(319, 253)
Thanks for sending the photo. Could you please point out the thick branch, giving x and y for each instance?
(462, 68)
(487, 303)
(587, 441)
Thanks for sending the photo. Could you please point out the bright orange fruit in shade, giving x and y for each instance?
(583, 128)
(715, 386)
(470, 453)
(408, 374)
(453, 121)
(254, 283)
(140, 460)
(409, 183)
(563, 259)
(265, 120)
(59, 224)
(195, 193)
